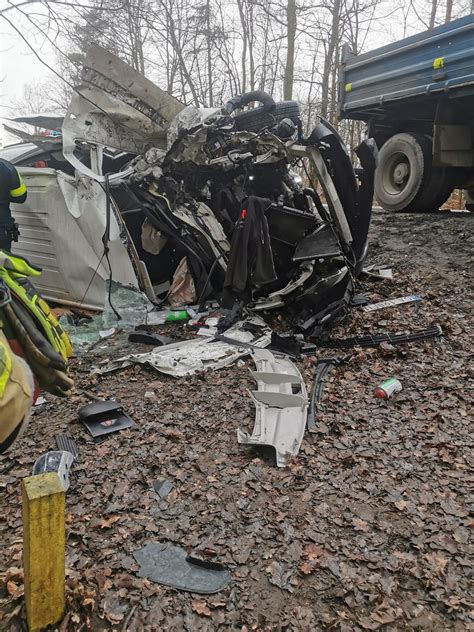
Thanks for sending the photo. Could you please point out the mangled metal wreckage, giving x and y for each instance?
(214, 193)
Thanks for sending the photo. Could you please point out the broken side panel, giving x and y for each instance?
(281, 405)
(74, 269)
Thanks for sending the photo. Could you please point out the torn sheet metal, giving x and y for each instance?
(191, 117)
(194, 356)
(116, 106)
(281, 404)
(46, 120)
(47, 143)
(69, 228)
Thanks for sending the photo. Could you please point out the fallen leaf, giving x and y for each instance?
(308, 567)
(105, 523)
(360, 525)
(437, 561)
(312, 552)
(200, 607)
(11, 587)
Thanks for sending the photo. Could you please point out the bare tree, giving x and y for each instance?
(290, 49)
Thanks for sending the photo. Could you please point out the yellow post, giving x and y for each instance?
(43, 549)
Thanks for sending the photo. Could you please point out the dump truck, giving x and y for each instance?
(417, 98)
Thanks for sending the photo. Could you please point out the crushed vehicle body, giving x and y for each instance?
(211, 196)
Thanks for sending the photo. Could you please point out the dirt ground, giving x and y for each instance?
(368, 528)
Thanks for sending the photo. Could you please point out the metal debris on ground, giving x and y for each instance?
(413, 298)
(378, 272)
(388, 388)
(196, 355)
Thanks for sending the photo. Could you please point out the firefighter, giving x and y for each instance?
(16, 394)
(34, 348)
(12, 189)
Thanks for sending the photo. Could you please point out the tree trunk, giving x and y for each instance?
(434, 7)
(449, 11)
(209, 53)
(328, 61)
(290, 50)
(244, 44)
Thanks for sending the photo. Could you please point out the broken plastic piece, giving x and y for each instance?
(280, 406)
(64, 441)
(162, 487)
(376, 340)
(323, 366)
(58, 461)
(150, 339)
(391, 303)
(286, 344)
(171, 566)
(378, 272)
(101, 418)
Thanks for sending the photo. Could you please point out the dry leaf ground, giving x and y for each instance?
(367, 529)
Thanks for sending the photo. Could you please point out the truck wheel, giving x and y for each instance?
(405, 179)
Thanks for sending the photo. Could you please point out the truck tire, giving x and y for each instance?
(405, 179)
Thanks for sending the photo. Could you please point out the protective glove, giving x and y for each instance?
(49, 368)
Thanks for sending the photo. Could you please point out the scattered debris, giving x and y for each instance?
(172, 566)
(154, 340)
(369, 522)
(162, 487)
(58, 461)
(388, 388)
(106, 333)
(168, 317)
(395, 301)
(378, 339)
(192, 356)
(323, 366)
(64, 441)
(280, 406)
(104, 417)
(378, 272)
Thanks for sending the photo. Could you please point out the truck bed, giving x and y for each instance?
(413, 69)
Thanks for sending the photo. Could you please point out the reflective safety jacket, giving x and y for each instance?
(14, 272)
(16, 394)
(12, 189)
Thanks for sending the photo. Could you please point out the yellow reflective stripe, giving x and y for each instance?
(438, 63)
(5, 367)
(348, 87)
(19, 190)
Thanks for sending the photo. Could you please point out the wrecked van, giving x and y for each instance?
(195, 203)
